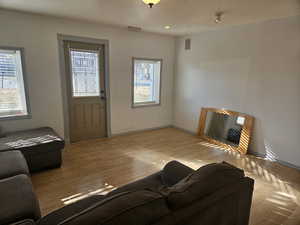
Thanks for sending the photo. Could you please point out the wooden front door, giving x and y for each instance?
(86, 90)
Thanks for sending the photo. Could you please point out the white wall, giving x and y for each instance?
(38, 35)
(253, 69)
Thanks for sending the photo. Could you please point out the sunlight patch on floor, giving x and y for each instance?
(101, 191)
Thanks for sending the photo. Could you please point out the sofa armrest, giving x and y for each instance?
(12, 163)
(173, 172)
(228, 205)
(18, 200)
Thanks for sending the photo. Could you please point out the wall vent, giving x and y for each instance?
(187, 44)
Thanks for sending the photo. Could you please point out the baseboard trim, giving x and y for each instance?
(185, 130)
(257, 154)
(284, 163)
(288, 164)
(140, 130)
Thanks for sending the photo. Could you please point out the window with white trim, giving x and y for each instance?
(12, 88)
(146, 81)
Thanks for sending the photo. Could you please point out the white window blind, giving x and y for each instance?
(12, 92)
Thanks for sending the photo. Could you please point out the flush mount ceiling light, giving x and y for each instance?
(167, 27)
(151, 3)
(218, 17)
(219, 11)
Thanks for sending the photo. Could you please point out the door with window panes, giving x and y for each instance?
(86, 90)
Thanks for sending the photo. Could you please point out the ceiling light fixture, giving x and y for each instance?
(219, 11)
(151, 3)
(218, 17)
(167, 27)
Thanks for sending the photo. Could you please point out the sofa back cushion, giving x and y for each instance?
(173, 172)
(201, 183)
(139, 207)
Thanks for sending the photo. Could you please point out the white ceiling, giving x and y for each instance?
(185, 16)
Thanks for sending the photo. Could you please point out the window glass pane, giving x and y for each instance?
(146, 81)
(12, 94)
(85, 73)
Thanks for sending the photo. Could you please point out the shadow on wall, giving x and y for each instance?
(257, 139)
(260, 143)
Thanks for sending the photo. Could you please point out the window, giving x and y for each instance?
(240, 120)
(12, 89)
(85, 73)
(146, 82)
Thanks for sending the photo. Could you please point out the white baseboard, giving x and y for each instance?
(284, 163)
(140, 130)
(185, 130)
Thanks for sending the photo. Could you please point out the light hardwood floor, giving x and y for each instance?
(98, 166)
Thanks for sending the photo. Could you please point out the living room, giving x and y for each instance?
(159, 69)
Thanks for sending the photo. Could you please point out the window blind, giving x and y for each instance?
(12, 92)
(8, 69)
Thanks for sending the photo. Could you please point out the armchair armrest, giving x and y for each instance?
(18, 200)
(173, 172)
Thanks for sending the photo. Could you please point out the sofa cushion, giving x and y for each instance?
(18, 200)
(12, 163)
(152, 182)
(24, 222)
(64, 213)
(201, 183)
(140, 207)
(173, 172)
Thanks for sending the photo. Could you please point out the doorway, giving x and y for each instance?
(85, 89)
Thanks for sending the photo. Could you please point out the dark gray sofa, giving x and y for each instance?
(216, 194)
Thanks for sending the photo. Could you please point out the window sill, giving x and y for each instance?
(21, 117)
(141, 105)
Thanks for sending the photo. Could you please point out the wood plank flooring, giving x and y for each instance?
(98, 166)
